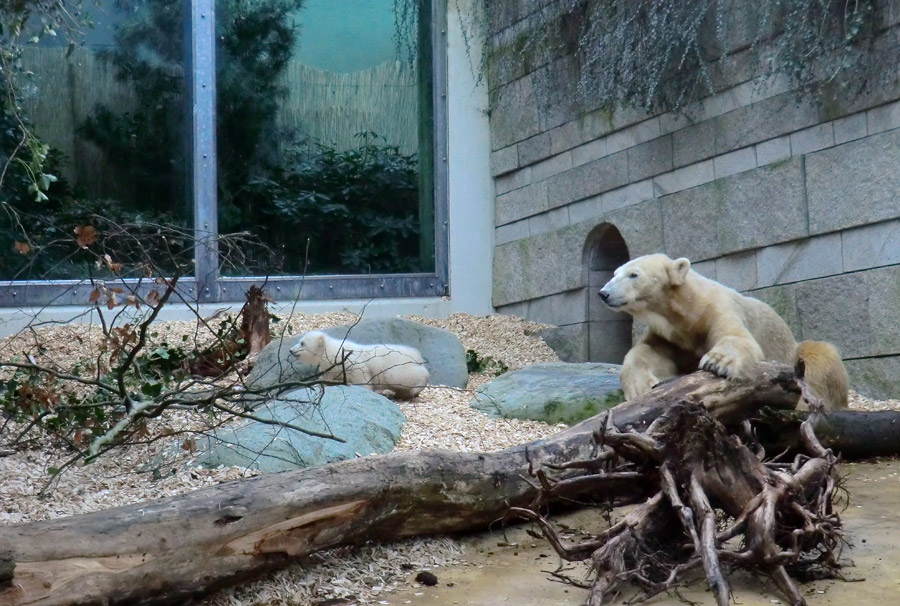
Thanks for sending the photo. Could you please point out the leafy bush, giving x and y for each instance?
(484, 365)
(355, 207)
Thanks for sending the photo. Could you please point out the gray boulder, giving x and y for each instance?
(444, 354)
(368, 422)
(553, 392)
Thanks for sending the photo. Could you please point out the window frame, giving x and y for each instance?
(207, 286)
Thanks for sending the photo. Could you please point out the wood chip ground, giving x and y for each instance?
(439, 418)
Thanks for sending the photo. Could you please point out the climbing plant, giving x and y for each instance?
(664, 54)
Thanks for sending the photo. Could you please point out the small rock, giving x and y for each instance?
(552, 392)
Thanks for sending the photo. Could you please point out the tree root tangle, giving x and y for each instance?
(715, 506)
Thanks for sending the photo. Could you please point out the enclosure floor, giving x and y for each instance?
(507, 568)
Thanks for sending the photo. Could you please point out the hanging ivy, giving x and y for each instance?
(660, 55)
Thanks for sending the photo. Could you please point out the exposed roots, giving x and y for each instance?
(715, 506)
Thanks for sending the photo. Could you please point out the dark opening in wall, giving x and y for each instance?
(609, 332)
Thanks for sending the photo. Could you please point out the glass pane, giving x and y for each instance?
(94, 121)
(325, 136)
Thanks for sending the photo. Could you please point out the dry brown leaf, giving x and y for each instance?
(85, 235)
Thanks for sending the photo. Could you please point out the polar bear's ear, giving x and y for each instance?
(678, 271)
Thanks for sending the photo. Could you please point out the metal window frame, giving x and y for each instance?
(207, 286)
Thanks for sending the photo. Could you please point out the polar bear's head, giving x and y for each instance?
(310, 347)
(643, 283)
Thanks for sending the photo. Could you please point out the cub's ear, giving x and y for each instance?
(678, 271)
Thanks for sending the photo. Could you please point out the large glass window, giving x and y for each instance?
(323, 136)
(307, 127)
(93, 145)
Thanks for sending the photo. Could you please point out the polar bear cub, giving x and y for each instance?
(380, 367)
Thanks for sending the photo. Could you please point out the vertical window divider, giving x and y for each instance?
(200, 78)
(440, 237)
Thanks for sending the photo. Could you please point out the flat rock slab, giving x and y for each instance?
(553, 392)
(445, 356)
(368, 422)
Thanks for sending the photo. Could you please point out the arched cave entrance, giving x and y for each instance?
(609, 332)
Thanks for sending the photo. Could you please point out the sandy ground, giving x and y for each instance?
(509, 566)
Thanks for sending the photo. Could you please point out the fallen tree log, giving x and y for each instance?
(852, 434)
(165, 551)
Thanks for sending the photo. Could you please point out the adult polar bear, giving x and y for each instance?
(694, 322)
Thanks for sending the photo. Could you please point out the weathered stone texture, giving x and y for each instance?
(609, 341)
(511, 232)
(684, 178)
(854, 184)
(784, 301)
(694, 143)
(552, 166)
(533, 149)
(875, 377)
(800, 260)
(837, 310)
(515, 114)
(560, 309)
(812, 139)
(871, 246)
(850, 128)
(628, 195)
(513, 180)
(766, 119)
(540, 265)
(522, 202)
(588, 179)
(738, 161)
(640, 225)
(651, 158)
(744, 211)
(773, 150)
(504, 160)
(569, 342)
(555, 219)
(884, 309)
(738, 271)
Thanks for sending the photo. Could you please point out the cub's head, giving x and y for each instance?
(643, 283)
(310, 347)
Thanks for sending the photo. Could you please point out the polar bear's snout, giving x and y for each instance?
(612, 295)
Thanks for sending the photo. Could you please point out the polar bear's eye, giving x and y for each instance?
(633, 275)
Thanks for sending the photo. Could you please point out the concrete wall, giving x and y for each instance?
(793, 199)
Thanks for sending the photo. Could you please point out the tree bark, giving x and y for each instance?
(240, 345)
(853, 434)
(168, 550)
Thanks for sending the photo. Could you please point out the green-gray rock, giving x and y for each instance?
(444, 354)
(368, 422)
(553, 392)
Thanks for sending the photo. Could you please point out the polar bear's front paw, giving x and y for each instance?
(729, 362)
(637, 383)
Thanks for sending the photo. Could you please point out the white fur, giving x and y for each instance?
(380, 367)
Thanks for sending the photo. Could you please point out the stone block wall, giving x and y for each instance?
(790, 198)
